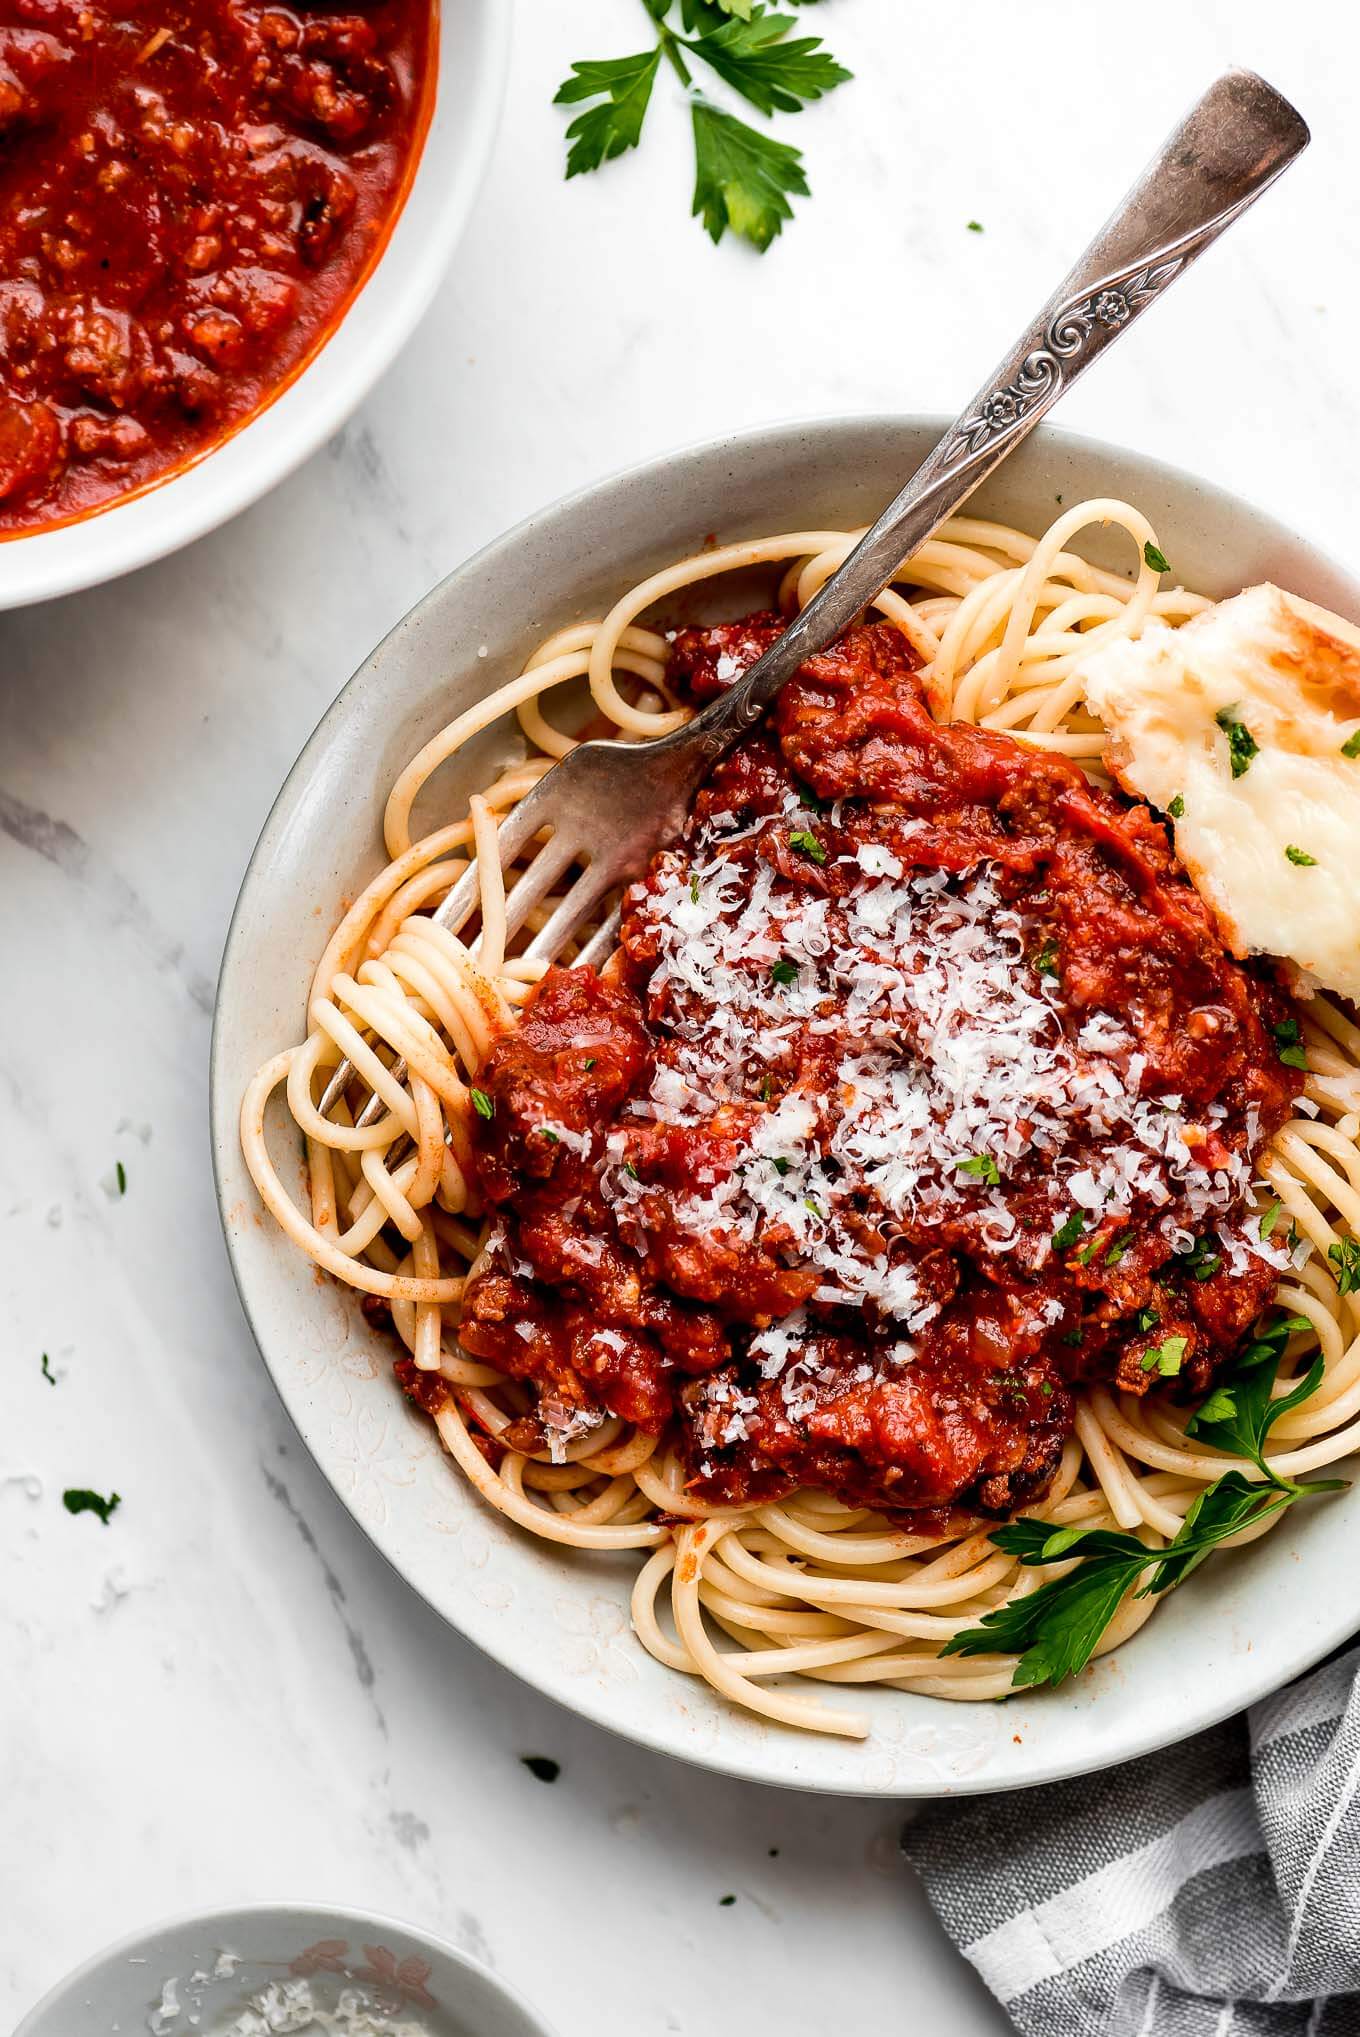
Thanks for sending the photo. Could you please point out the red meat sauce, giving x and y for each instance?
(906, 1333)
(190, 193)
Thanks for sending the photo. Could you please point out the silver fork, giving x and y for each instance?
(610, 805)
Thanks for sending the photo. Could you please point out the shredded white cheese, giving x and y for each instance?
(950, 1050)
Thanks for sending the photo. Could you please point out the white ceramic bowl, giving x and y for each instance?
(1242, 1626)
(474, 39)
(215, 1962)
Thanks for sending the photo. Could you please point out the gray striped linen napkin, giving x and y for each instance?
(1207, 1890)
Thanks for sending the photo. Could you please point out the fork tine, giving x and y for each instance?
(601, 944)
(534, 811)
(519, 827)
(553, 858)
(574, 906)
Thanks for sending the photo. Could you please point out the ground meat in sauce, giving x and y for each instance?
(189, 192)
(924, 1090)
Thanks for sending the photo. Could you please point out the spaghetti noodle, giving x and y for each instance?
(807, 1584)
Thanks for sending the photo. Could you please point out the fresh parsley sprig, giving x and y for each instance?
(1056, 1629)
(743, 179)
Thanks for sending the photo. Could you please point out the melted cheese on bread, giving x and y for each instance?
(1275, 850)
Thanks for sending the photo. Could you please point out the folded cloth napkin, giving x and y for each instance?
(1207, 1890)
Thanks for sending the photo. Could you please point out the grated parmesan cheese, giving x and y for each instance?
(948, 1045)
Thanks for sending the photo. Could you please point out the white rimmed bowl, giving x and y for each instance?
(214, 1962)
(474, 40)
(1242, 1626)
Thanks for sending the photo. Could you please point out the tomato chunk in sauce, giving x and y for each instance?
(190, 193)
(923, 1090)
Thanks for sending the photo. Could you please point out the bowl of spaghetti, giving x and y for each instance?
(815, 1343)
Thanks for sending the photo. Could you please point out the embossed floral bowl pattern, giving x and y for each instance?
(196, 1975)
(1241, 1627)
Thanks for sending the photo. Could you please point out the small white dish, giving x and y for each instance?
(1240, 1628)
(474, 42)
(194, 1976)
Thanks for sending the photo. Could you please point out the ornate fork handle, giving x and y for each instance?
(1230, 147)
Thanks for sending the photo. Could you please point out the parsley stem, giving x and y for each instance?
(671, 49)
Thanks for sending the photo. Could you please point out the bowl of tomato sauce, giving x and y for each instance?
(219, 220)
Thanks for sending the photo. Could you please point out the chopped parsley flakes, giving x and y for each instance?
(1067, 1234)
(1203, 1259)
(77, 1500)
(1242, 744)
(483, 1105)
(1165, 1358)
(1269, 1219)
(1300, 856)
(1154, 558)
(48, 1374)
(784, 971)
(1046, 961)
(1288, 1047)
(806, 843)
(1351, 746)
(1177, 808)
(982, 1167)
(120, 1176)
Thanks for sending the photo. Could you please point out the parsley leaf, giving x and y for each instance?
(1241, 1411)
(1203, 1259)
(1156, 559)
(780, 1165)
(1067, 1234)
(1345, 1256)
(77, 1500)
(807, 844)
(1165, 1358)
(1177, 808)
(784, 971)
(483, 1105)
(1289, 1048)
(1056, 1629)
(751, 55)
(1046, 960)
(1300, 856)
(1242, 744)
(606, 130)
(1269, 1218)
(982, 1167)
(975, 226)
(742, 178)
(694, 890)
(1351, 746)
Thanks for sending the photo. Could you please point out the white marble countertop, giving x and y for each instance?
(224, 1694)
